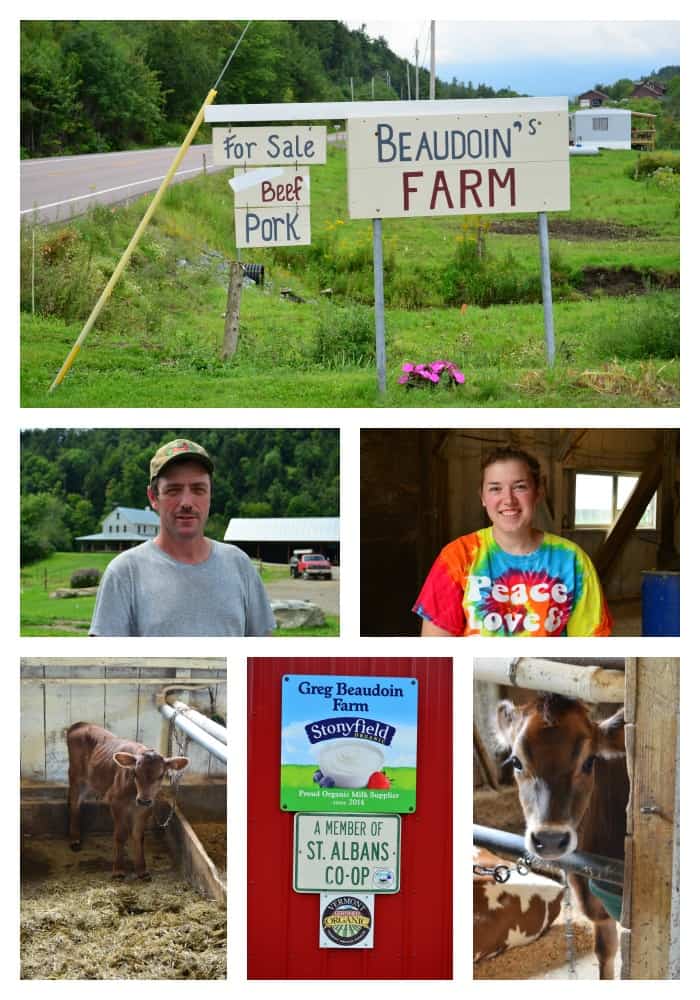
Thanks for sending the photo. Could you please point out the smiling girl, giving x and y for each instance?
(512, 579)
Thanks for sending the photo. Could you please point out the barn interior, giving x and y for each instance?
(68, 898)
(648, 923)
(615, 492)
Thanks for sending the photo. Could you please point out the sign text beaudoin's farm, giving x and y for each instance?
(458, 165)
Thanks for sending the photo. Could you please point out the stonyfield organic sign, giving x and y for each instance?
(458, 164)
(269, 145)
(273, 207)
(348, 744)
(343, 852)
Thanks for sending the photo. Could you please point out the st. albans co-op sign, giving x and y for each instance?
(408, 159)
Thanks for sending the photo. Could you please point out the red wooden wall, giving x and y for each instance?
(413, 928)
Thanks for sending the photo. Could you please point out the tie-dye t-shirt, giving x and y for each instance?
(475, 588)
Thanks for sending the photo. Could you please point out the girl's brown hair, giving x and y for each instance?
(507, 454)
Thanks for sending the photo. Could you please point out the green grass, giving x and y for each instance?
(41, 615)
(158, 339)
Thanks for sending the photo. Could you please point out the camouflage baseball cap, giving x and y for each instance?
(179, 449)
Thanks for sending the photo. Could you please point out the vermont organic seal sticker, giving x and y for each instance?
(346, 921)
(348, 744)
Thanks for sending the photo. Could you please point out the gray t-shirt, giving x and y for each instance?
(146, 592)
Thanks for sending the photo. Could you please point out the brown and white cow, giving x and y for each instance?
(125, 774)
(512, 913)
(573, 788)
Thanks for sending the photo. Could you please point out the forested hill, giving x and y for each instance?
(96, 86)
(70, 479)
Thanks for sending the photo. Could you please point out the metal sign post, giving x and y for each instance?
(379, 338)
(546, 279)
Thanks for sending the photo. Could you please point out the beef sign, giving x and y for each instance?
(126, 775)
(573, 788)
(512, 913)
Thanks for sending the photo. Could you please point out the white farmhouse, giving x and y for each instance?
(122, 529)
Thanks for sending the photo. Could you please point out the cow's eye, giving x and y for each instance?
(588, 763)
(516, 762)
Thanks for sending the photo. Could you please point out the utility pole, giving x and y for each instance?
(372, 86)
(417, 82)
(352, 90)
(408, 81)
(432, 60)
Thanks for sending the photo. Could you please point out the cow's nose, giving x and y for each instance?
(144, 802)
(551, 843)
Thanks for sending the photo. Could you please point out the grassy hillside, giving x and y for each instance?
(615, 267)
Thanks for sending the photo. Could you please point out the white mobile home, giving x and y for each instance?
(608, 128)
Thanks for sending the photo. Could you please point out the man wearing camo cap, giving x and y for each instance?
(181, 583)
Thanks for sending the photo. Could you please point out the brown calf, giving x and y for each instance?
(573, 789)
(125, 774)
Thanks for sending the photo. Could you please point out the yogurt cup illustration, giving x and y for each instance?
(349, 763)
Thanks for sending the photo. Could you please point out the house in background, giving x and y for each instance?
(649, 88)
(612, 128)
(592, 99)
(122, 529)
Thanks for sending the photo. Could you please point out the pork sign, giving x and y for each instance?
(273, 207)
(459, 164)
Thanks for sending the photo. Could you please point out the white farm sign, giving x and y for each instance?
(262, 146)
(458, 164)
(273, 207)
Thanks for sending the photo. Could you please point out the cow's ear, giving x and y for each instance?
(611, 735)
(124, 759)
(507, 719)
(176, 763)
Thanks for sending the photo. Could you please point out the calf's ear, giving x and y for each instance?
(507, 718)
(176, 763)
(611, 735)
(124, 759)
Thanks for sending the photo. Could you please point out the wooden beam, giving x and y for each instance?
(650, 907)
(629, 516)
(568, 442)
(485, 760)
(667, 557)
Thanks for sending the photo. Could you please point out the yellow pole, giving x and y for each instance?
(109, 287)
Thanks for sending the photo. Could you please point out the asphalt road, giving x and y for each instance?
(60, 187)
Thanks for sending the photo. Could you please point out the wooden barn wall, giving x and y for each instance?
(121, 696)
(600, 450)
(401, 524)
(413, 928)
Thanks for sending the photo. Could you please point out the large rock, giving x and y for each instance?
(74, 592)
(297, 614)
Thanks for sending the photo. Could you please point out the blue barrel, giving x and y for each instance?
(661, 592)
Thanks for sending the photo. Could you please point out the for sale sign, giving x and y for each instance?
(348, 744)
(269, 145)
(273, 207)
(348, 852)
(491, 161)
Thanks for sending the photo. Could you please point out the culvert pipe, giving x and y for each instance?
(510, 845)
(589, 683)
(202, 738)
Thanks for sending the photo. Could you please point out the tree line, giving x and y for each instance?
(72, 478)
(97, 86)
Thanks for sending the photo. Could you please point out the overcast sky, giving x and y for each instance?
(541, 58)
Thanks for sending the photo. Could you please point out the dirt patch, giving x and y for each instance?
(324, 593)
(76, 923)
(212, 837)
(625, 281)
(571, 229)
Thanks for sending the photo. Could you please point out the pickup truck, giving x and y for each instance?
(310, 565)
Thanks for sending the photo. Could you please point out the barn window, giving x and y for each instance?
(601, 496)
(600, 124)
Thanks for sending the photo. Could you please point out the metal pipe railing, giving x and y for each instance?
(579, 863)
(204, 739)
(590, 683)
(203, 721)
